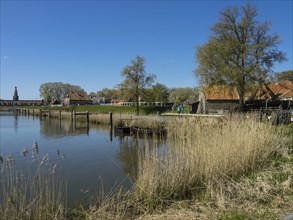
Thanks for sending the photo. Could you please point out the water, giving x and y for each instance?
(83, 154)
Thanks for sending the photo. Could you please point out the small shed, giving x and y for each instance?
(216, 99)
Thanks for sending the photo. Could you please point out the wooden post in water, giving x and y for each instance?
(33, 113)
(111, 119)
(71, 116)
(87, 118)
(111, 126)
(49, 113)
(59, 114)
(41, 113)
(87, 122)
(111, 134)
(74, 117)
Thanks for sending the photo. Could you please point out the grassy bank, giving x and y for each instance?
(105, 109)
(236, 168)
(126, 119)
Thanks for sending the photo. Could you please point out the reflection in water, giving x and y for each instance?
(133, 146)
(128, 153)
(56, 128)
(91, 151)
(15, 122)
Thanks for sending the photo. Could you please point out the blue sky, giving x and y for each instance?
(87, 43)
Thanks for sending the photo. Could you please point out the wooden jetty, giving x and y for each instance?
(74, 114)
(45, 113)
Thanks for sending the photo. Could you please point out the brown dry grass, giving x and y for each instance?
(211, 169)
(202, 152)
(223, 168)
(32, 194)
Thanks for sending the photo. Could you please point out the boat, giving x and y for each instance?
(122, 130)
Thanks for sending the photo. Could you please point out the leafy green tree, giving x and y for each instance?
(123, 93)
(240, 52)
(93, 94)
(136, 79)
(285, 75)
(57, 90)
(158, 93)
(183, 95)
(107, 93)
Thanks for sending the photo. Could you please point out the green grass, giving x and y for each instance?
(56, 108)
(103, 109)
(233, 215)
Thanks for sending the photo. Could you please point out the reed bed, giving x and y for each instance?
(32, 193)
(202, 161)
(202, 154)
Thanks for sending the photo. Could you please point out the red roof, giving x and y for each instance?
(220, 92)
(283, 90)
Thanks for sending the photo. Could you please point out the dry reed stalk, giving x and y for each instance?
(201, 153)
(203, 156)
(37, 194)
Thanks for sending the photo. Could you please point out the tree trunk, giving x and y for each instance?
(137, 105)
(137, 99)
(241, 92)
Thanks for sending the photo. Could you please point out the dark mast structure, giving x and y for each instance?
(15, 96)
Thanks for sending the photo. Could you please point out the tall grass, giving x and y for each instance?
(201, 154)
(33, 193)
(201, 157)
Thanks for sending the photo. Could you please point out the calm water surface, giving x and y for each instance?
(83, 154)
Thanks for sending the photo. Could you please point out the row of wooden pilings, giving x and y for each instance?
(73, 114)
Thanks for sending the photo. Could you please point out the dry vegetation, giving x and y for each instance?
(222, 168)
(203, 152)
(212, 169)
(33, 193)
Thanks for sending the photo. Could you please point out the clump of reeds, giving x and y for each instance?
(203, 159)
(31, 193)
(99, 118)
(148, 122)
(201, 154)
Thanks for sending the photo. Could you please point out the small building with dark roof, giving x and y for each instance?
(216, 99)
(78, 98)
